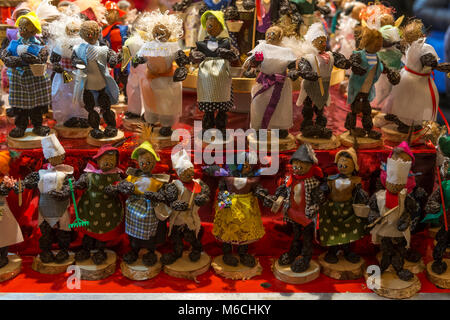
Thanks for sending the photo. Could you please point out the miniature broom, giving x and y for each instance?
(78, 222)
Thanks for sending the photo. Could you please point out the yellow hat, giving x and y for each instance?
(146, 146)
(219, 16)
(352, 153)
(33, 19)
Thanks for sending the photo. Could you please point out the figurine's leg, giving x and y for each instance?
(228, 257)
(108, 115)
(398, 260)
(132, 255)
(221, 121)
(296, 246)
(349, 255)
(245, 258)
(367, 120)
(331, 255)
(87, 244)
(21, 122)
(350, 120)
(3, 256)
(36, 120)
(439, 266)
(93, 117)
(196, 244)
(208, 121)
(302, 264)
(63, 238)
(45, 243)
(321, 124)
(387, 251)
(150, 258)
(308, 114)
(100, 256)
(177, 241)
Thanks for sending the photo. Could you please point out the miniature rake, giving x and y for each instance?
(78, 222)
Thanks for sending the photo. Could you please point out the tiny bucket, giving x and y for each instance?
(38, 69)
(361, 210)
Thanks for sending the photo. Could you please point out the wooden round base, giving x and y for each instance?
(414, 267)
(363, 143)
(52, 267)
(284, 144)
(285, 274)
(343, 269)
(72, 133)
(186, 269)
(240, 272)
(139, 271)
(91, 271)
(391, 134)
(161, 142)
(99, 142)
(320, 144)
(439, 280)
(12, 269)
(393, 288)
(432, 231)
(28, 141)
(133, 124)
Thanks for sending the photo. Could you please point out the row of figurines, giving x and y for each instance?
(346, 212)
(145, 65)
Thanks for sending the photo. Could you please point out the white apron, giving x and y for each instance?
(10, 232)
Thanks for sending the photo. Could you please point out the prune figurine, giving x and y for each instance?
(146, 206)
(29, 84)
(437, 203)
(64, 36)
(391, 211)
(366, 70)
(300, 191)
(115, 33)
(161, 89)
(316, 70)
(184, 222)
(238, 218)
(54, 200)
(415, 99)
(271, 106)
(10, 233)
(214, 54)
(303, 13)
(339, 224)
(97, 87)
(99, 205)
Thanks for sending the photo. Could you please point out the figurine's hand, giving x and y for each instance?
(111, 190)
(125, 187)
(201, 200)
(358, 70)
(137, 61)
(294, 74)
(43, 55)
(196, 56)
(282, 191)
(180, 74)
(443, 67)
(311, 76)
(373, 215)
(393, 77)
(181, 58)
(248, 4)
(154, 196)
(402, 225)
(29, 58)
(269, 200)
(179, 205)
(58, 68)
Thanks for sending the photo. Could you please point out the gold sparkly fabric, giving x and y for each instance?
(240, 223)
(214, 80)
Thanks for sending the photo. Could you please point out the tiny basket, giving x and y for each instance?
(38, 69)
(361, 210)
(234, 25)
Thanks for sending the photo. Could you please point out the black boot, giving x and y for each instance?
(21, 122)
(196, 244)
(99, 257)
(45, 243)
(331, 255)
(349, 255)
(150, 258)
(36, 121)
(88, 244)
(177, 240)
(3, 257)
(132, 255)
(64, 238)
(228, 257)
(245, 258)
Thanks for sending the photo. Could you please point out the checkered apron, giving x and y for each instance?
(140, 220)
(27, 91)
